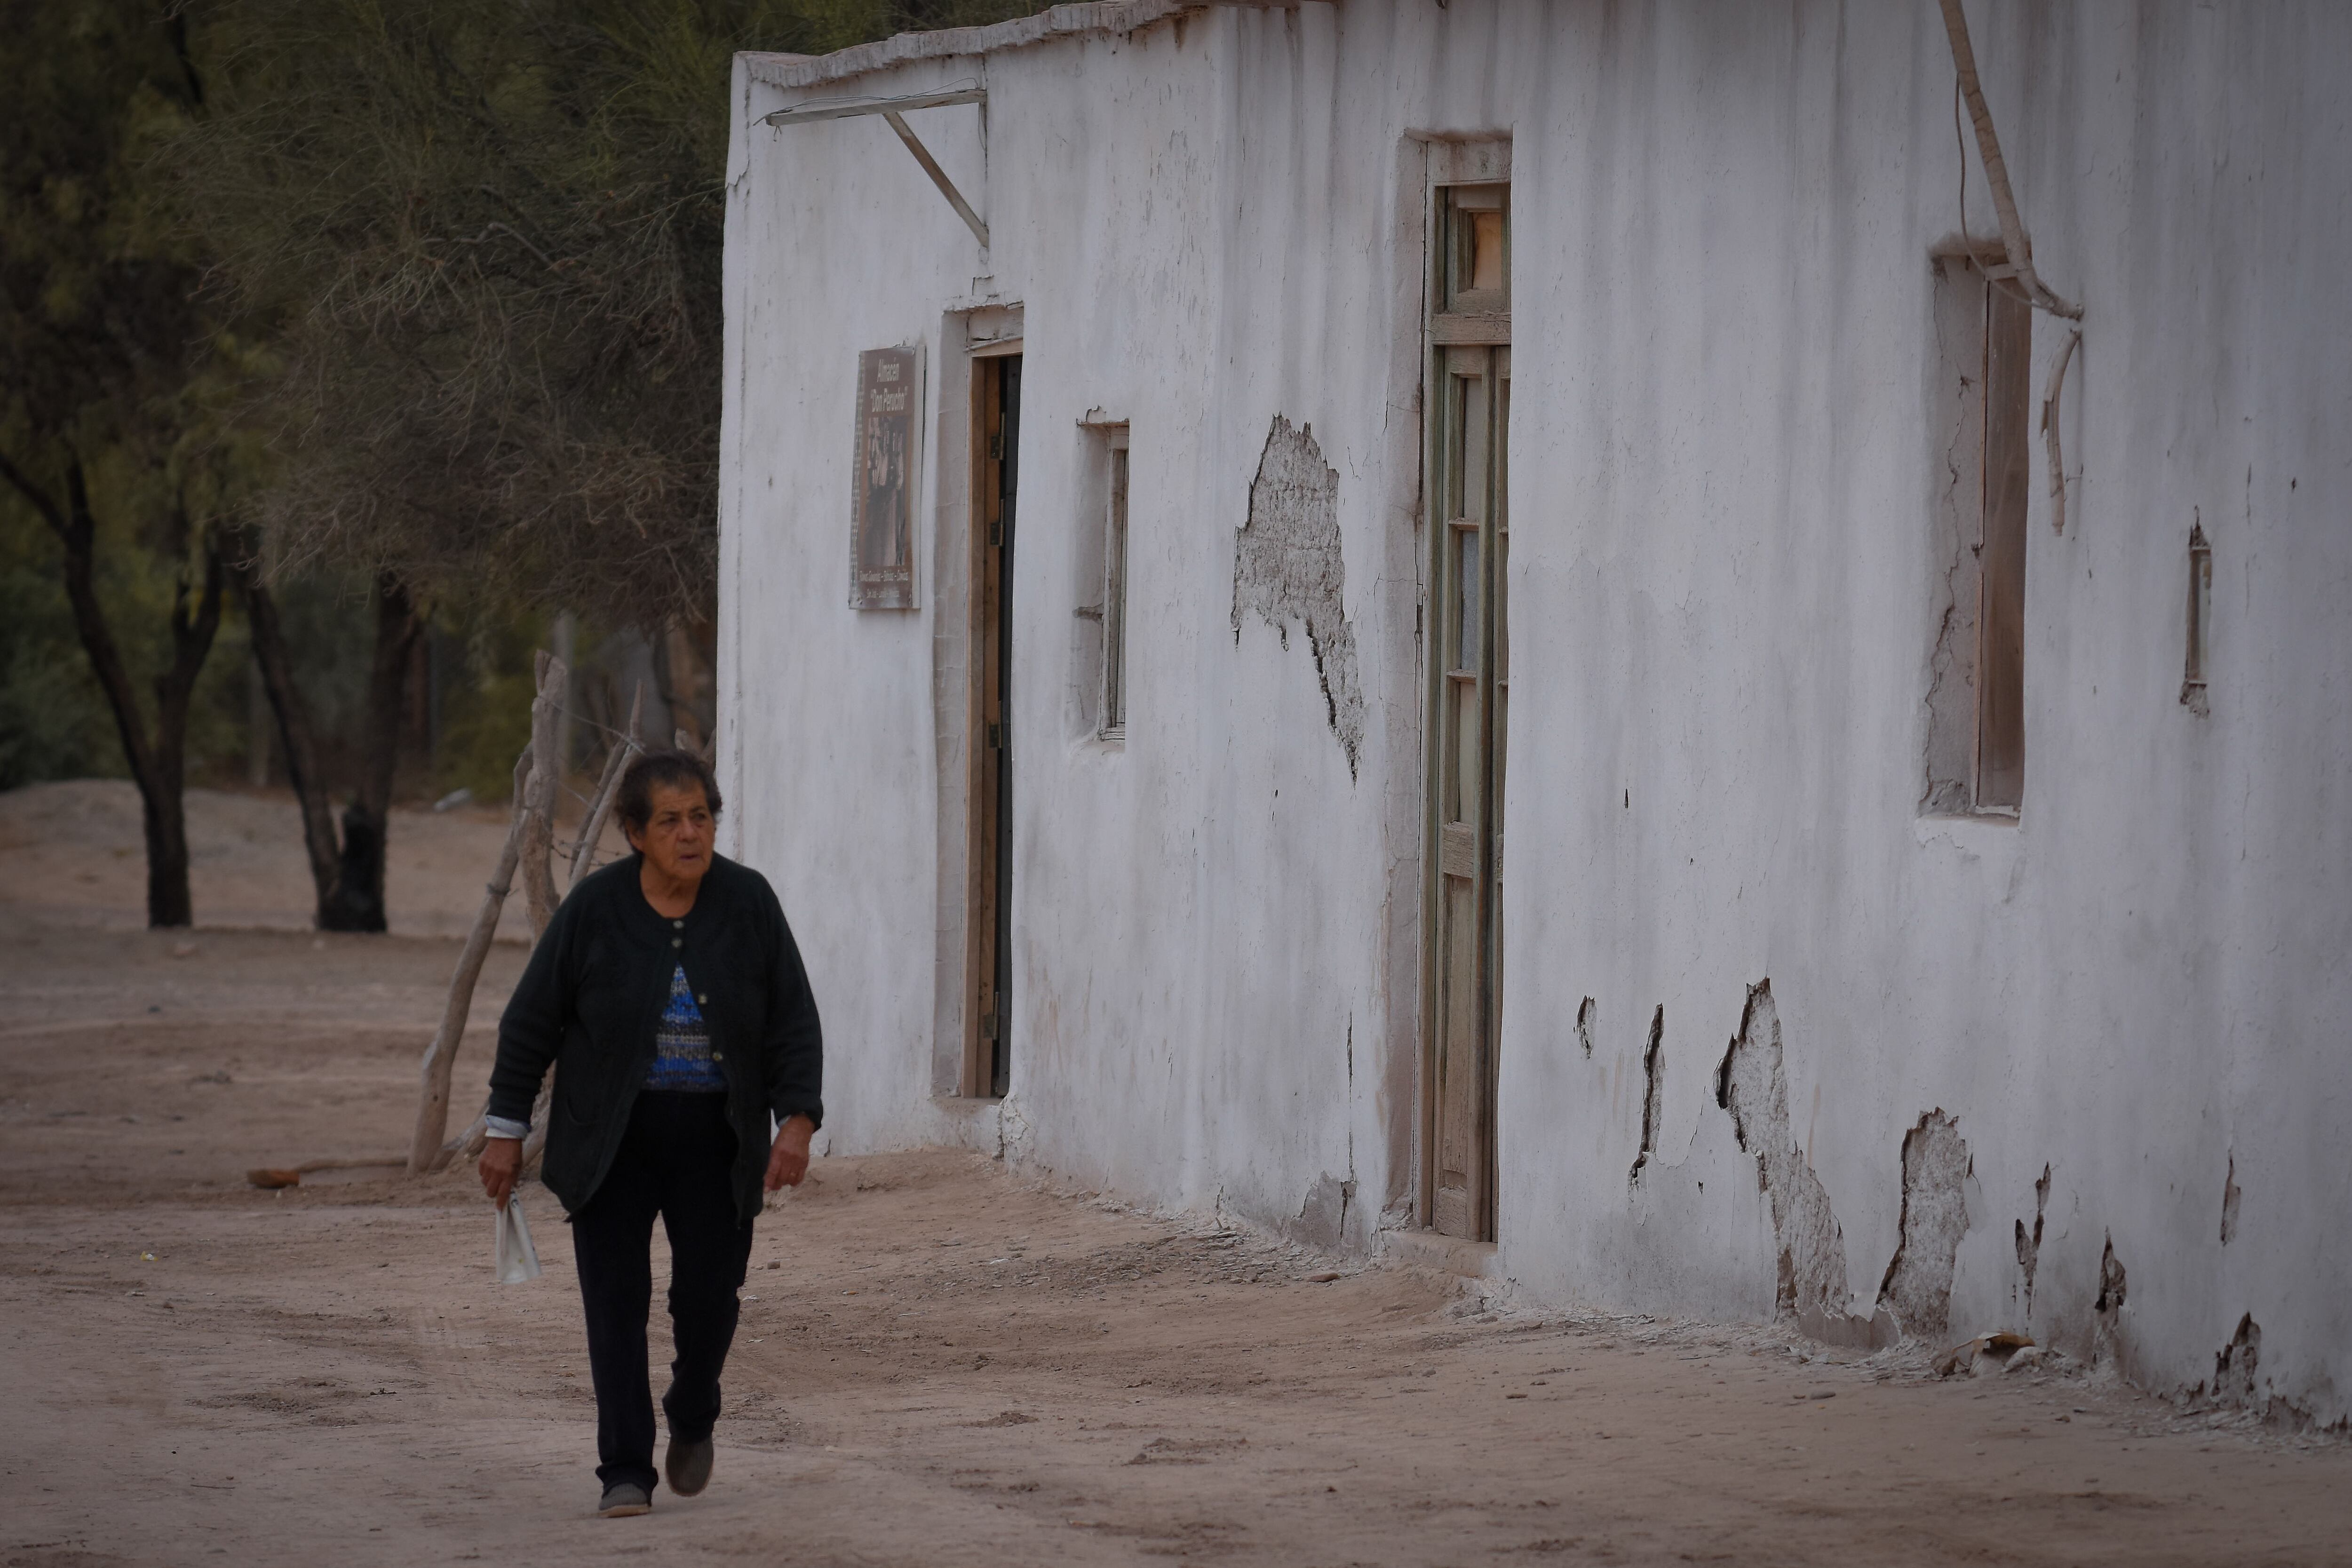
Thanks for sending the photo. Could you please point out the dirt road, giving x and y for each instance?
(939, 1364)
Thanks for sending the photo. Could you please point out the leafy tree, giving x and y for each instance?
(488, 241)
(111, 374)
(423, 290)
(487, 244)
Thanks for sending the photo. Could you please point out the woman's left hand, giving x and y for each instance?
(788, 1158)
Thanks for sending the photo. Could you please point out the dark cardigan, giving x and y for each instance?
(595, 988)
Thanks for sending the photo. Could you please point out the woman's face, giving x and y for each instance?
(676, 838)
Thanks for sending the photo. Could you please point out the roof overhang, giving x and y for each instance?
(1101, 16)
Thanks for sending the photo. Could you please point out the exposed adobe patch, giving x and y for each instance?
(1288, 567)
(2237, 1369)
(1919, 1284)
(1323, 1217)
(1752, 1084)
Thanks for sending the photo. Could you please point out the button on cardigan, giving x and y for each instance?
(593, 991)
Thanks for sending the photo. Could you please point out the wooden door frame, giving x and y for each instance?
(1450, 164)
(968, 337)
(987, 858)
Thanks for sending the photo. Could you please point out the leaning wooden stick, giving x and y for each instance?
(583, 856)
(425, 1152)
(533, 792)
(546, 785)
(2014, 243)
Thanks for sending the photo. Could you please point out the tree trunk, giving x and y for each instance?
(295, 734)
(158, 769)
(357, 903)
(193, 630)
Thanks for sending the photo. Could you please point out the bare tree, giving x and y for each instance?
(346, 870)
(157, 759)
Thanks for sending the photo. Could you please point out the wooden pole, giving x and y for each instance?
(2004, 203)
(528, 838)
(441, 1056)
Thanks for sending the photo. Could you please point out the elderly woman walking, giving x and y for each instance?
(669, 996)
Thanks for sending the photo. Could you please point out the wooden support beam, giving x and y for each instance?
(939, 177)
(803, 113)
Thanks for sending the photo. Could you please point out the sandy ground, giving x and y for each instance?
(73, 851)
(940, 1363)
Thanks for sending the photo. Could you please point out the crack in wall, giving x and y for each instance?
(1917, 1288)
(2230, 1202)
(2028, 1247)
(1652, 1087)
(1287, 566)
(1752, 1085)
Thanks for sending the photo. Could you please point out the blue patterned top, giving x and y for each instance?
(682, 1060)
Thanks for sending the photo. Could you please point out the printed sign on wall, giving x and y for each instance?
(889, 469)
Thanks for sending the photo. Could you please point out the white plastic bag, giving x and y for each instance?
(518, 1259)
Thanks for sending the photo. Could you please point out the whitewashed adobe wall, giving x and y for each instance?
(2108, 1018)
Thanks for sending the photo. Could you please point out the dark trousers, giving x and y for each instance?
(674, 1161)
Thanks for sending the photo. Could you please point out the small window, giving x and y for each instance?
(1976, 744)
(2201, 620)
(1478, 249)
(1114, 683)
(1097, 692)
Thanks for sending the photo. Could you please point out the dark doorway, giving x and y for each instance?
(988, 1058)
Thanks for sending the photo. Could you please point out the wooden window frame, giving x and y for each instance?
(1976, 741)
(1110, 714)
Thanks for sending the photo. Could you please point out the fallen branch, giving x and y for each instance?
(270, 1177)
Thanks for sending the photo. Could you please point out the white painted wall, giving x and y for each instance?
(1721, 492)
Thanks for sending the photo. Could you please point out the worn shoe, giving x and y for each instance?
(688, 1467)
(623, 1499)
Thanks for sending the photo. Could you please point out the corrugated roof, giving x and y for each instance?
(1058, 22)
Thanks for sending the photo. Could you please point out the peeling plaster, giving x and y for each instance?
(2029, 1245)
(1287, 566)
(2230, 1202)
(1584, 1028)
(1919, 1284)
(2236, 1370)
(2109, 1309)
(1752, 1084)
(1652, 1087)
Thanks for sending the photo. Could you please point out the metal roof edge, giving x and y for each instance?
(1095, 16)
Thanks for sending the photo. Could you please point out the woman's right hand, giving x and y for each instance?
(501, 1163)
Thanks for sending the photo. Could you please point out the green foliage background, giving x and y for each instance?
(425, 285)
